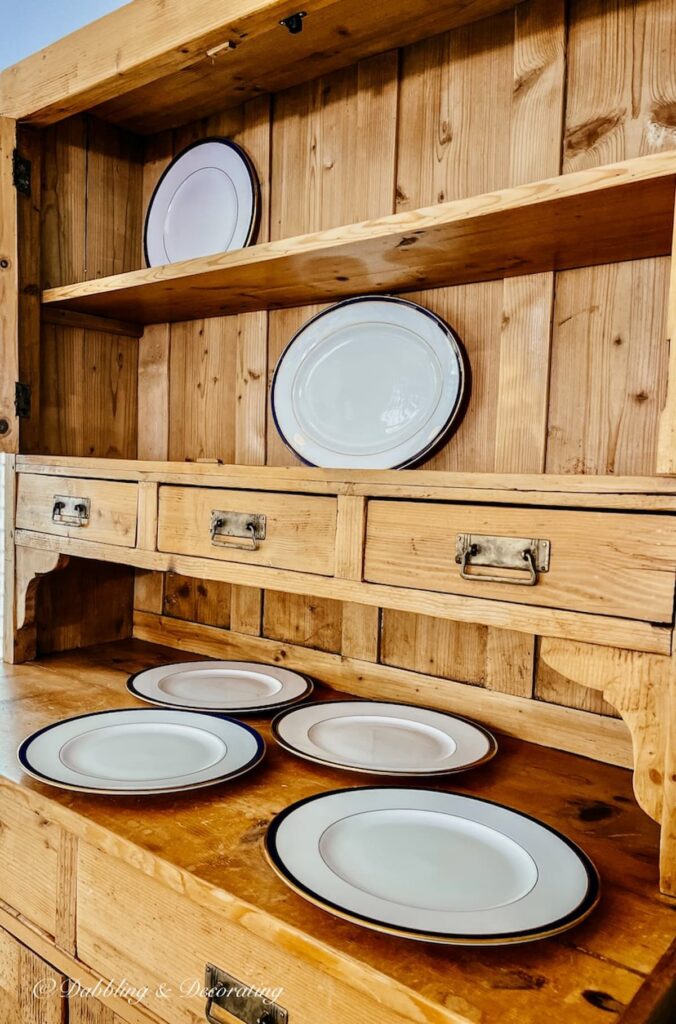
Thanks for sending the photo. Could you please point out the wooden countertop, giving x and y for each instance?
(214, 839)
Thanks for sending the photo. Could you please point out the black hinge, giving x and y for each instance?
(21, 173)
(22, 400)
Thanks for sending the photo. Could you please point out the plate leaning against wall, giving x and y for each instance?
(233, 687)
(141, 751)
(207, 201)
(374, 382)
(383, 737)
(432, 866)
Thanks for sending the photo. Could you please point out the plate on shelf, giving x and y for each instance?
(374, 382)
(141, 751)
(207, 201)
(432, 866)
(233, 687)
(383, 737)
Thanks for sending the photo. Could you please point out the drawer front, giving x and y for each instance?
(602, 562)
(47, 504)
(29, 851)
(132, 926)
(299, 530)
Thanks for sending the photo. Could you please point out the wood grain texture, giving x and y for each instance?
(20, 971)
(294, 618)
(30, 855)
(414, 545)
(666, 448)
(112, 514)
(85, 603)
(171, 850)
(9, 290)
(206, 601)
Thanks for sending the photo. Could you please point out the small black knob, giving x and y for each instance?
(294, 22)
(4, 263)
(4, 427)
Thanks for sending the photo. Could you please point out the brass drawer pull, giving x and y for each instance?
(502, 553)
(242, 530)
(244, 1002)
(70, 511)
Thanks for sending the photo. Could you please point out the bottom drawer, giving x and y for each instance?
(131, 926)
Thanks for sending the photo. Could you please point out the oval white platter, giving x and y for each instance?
(432, 866)
(141, 751)
(233, 687)
(374, 382)
(206, 201)
(383, 737)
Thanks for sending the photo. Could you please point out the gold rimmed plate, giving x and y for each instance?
(432, 866)
(383, 737)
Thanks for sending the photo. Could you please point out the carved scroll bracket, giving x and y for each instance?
(643, 689)
(30, 565)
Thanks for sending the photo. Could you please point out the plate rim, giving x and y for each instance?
(585, 907)
(253, 178)
(256, 758)
(457, 413)
(492, 741)
(310, 683)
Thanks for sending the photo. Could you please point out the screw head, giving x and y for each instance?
(4, 263)
(4, 426)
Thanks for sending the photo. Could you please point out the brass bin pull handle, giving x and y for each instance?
(70, 511)
(527, 556)
(249, 543)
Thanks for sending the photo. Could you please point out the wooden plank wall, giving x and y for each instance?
(568, 369)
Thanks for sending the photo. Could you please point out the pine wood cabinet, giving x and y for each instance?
(510, 166)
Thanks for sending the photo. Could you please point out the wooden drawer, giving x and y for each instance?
(300, 530)
(29, 852)
(112, 508)
(132, 926)
(603, 562)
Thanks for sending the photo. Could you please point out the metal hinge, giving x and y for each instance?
(22, 400)
(21, 173)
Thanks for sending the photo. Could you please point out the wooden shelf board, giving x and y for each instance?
(173, 62)
(623, 211)
(559, 980)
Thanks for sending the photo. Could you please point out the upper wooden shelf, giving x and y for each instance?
(622, 211)
(155, 64)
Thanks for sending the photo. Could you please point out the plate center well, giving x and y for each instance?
(219, 685)
(376, 739)
(142, 752)
(428, 860)
(201, 215)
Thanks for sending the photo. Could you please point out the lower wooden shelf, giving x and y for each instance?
(151, 888)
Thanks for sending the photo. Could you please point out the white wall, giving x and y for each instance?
(28, 25)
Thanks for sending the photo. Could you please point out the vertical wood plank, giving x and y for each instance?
(29, 144)
(65, 934)
(9, 291)
(153, 393)
(437, 647)
(246, 610)
(311, 621)
(64, 206)
(510, 662)
(114, 187)
(360, 636)
(148, 510)
(523, 381)
(609, 368)
(149, 591)
(9, 579)
(666, 444)
(350, 537)
(205, 601)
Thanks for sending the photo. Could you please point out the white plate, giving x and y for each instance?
(140, 750)
(371, 383)
(383, 737)
(432, 866)
(205, 202)
(235, 687)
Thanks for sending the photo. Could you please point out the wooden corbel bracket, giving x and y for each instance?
(642, 687)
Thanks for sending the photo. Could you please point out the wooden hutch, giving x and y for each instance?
(513, 168)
